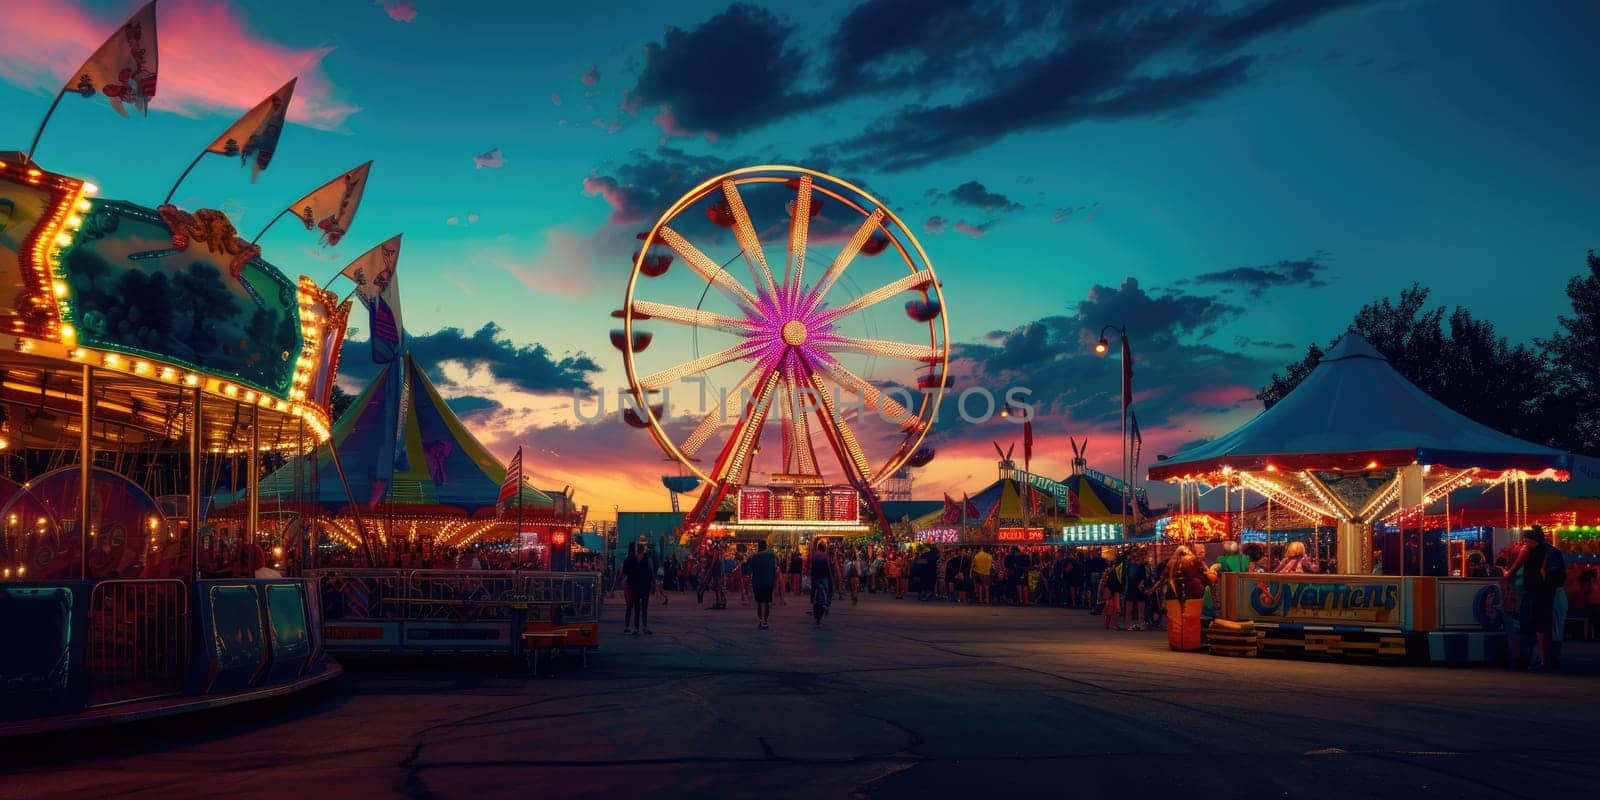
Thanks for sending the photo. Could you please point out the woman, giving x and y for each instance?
(894, 567)
(1134, 589)
(821, 582)
(1295, 560)
(1187, 579)
(1111, 588)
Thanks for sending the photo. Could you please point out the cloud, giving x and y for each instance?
(590, 76)
(974, 195)
(935, 224)
(211, 60)
(1245, 341)
(639, 189)
(400, 10)
(1066, 213)
(1101, 61)
(471, 219)
(555, 98)
(1054, 357)
(1305, 272)
(527, 368)
(692, 74)
(492, 159)
(974, 230)
(467, 404)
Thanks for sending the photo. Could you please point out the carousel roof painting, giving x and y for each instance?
(1355, 412)
(439, 463)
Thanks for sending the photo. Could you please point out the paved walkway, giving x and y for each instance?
(892, 699)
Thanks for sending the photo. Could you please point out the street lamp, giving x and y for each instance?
(1101, 347)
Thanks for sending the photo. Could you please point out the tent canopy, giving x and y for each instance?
(446, 467)
(1355, 412)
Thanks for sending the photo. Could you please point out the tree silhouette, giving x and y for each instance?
(1572, 366)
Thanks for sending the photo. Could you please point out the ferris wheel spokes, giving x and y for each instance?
(726, 408)
(692, 317)
(851, 249)
(736, 462)
(799, 230)
(916, 280)
(660, 379)
(749, 244)
(887, 407)
(890, 349)
(710, 271)
(843, 438)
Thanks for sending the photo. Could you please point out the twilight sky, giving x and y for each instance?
(1230, 180)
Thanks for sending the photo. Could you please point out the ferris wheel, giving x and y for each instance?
(799, 341)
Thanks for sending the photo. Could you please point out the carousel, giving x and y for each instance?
(148, 358)
(1361, 453)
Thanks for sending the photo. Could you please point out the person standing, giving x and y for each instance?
(763, 566)
(1535, 574)
(982, 574)
(852, 573)
(894, 568)
(1135, 589)
(797, 568)
(1295, 560)
(640, 575)
(1187, 578)
(718, 578)
(821, 582)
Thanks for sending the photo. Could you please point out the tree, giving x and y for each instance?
(1572, 366)
(339, 401)
(1458, 360)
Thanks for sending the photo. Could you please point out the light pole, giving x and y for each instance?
(1101, 347)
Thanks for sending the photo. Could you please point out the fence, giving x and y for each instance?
(138, 640)
(454, 595)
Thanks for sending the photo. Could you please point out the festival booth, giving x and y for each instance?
(145, 354)
(1356, 446)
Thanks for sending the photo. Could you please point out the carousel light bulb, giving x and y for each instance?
(21, 571)
(84, 206)
(191, 379)
(60, 288)
(89, 188)
(74, 221)
(68, 333)
(63, 239)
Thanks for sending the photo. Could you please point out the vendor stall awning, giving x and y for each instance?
(1355, 412)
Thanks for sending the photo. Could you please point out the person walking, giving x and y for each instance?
(821, 582)
(1135, 589)
(852, 574)
(718, 578)
(797, 568)
(640, 575)
(763, 566)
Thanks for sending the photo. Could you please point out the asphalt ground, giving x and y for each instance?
(892, 699)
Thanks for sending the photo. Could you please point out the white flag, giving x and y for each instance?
(378, 286)
(124, 68)
(332, 206)
(256, 133)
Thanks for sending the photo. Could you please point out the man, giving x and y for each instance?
(763, 568)
(718, 577)
(1535, 574)
(982, 571)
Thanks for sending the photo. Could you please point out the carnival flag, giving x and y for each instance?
(513, 481)
(332, 207)
(256, 133)
(124, 68)
(1127, 373)
(1027, 444)
(378, 286)
(952, 512)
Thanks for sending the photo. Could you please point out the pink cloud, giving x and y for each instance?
(591, 76)
(565, 265)
(210, 60)
(622, 212)
(668, 123)
(400, 10)
(1220, 396)
(555, 98)
(973, 230)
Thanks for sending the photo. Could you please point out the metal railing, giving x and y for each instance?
(349, 595)
(138, 640)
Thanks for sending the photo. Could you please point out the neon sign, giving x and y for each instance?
(1020, 534)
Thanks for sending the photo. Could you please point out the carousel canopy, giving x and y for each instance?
(443, 464)
(1355, 412)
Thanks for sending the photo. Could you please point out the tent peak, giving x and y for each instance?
(1353, 345)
